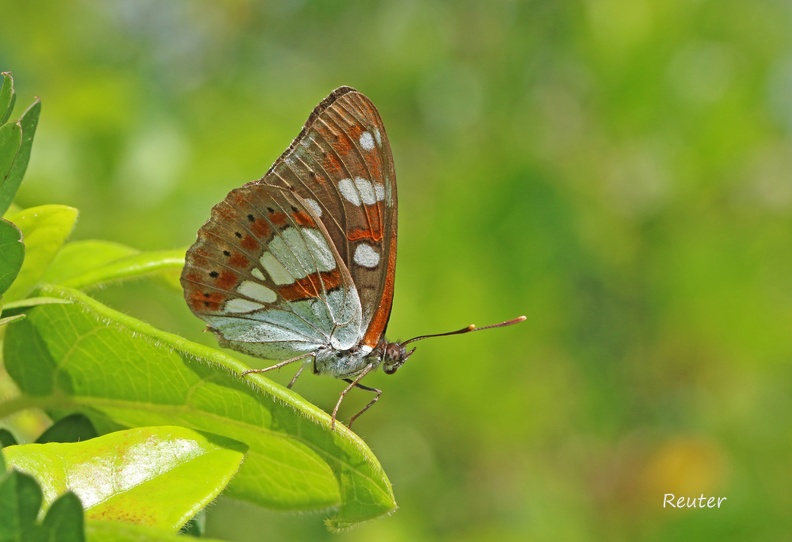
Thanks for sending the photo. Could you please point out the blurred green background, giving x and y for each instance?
(620, 171)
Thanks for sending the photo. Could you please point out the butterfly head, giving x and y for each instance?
(394, 356)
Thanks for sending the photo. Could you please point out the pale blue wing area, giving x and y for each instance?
(307, 326)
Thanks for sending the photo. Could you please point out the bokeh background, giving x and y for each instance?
(620, 171)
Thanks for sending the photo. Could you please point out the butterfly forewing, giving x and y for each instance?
(341, 165)
(264, 277)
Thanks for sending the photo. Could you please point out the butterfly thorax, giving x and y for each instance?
(350, 363)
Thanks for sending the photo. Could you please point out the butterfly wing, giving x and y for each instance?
(305, 257)
(265, 277)
(341, 165)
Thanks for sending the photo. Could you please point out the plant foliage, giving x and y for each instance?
(178, 424)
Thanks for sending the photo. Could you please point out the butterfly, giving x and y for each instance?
(300, 265)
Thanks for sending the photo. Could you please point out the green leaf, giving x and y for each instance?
(119, 370)
(80, 257)
(34, 302)
(7, 97)
(20, 500)
(73, 428)
(10, 141)
(12, 254)
(10, 184)
(44, 230)
(113, 531)
(196, 527)
(64, 521)
(7, 438)
(11, 319)
(92, 263)
(158, 476)
(139, 265)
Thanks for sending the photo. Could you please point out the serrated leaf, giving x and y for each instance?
(72, 428)
(7, 97)
(158, 476)
(44, 230)
(12, 254)
(119, 370)
(10, 184)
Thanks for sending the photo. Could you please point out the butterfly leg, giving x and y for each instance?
(365, 408)
(278, 366)
(293, 380)
(355, 384)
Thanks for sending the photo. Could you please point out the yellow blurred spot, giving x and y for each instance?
(686, 466)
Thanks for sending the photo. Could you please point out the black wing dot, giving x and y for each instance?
(214, 274)
(239, 235)
(270, 209)
(226, 253)
(251, 218)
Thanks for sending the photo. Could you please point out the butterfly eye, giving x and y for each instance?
(394, 357)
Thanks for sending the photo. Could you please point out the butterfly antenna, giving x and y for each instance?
(468, 329)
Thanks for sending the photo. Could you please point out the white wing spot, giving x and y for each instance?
(242, 305)
(366, 256)
(361, 190)
(379, 190)
(256, 291)
(276, 271)
(348, 190)
(366, 141)
(314, 205)
(366, 190)
(378, 137)
(257, 273)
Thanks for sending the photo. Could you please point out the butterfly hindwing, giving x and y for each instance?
(341, 165)
(266, 279)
